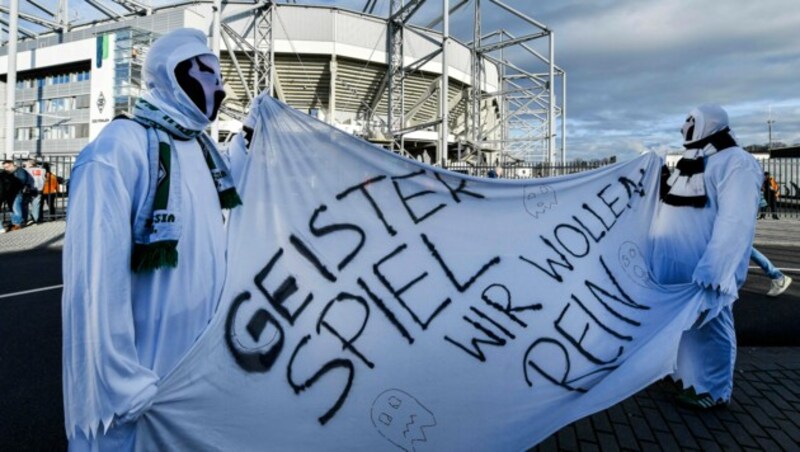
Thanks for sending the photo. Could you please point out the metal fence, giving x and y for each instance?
(786, 172)
(522, 170)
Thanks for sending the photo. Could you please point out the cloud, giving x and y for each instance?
(634, 67)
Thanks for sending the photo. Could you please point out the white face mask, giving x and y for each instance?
(200, 79)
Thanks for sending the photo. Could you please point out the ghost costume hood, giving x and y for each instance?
(184, 95)
(707, 126)
(705, 132)
(183, 79)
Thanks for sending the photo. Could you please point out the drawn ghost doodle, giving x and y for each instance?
(538, 199)
(401, 418)
(632, 262)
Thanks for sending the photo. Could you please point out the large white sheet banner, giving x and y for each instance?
(376, 303)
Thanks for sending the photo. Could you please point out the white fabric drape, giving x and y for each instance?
(376, 303)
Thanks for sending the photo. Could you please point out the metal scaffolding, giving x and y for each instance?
(526, 107)
(508, 108)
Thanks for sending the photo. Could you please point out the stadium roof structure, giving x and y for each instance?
(378, 76)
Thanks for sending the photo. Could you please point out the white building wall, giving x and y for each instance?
(81, 45)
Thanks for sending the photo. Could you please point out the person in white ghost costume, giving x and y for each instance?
(145, 249)
(703, 233)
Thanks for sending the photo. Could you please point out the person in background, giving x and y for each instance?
(9, 185)
(703, 234)
(35, 198)
(50, 190)
(771, 193)
(778, 281)
(145, 249)
(24, 187)
(495, 173)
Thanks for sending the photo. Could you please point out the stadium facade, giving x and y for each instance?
(377, 77)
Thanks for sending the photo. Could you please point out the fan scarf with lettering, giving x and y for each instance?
(686, 186)
(157, 228)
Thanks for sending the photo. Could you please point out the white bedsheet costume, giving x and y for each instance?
(708, 243)
(124, 330)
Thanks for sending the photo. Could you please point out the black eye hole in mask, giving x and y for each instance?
(195, 89)
(688, 129)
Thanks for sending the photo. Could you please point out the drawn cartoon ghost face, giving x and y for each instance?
(632, 261)
(400, 418)
(539, 199)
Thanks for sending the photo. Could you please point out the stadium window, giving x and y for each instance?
(81, 130)
(60, 104)
(82, 101)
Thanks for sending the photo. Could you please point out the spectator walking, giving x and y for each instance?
(779, 282)
(19, 206)
(37, 174)
(771, 193)
(50, 189)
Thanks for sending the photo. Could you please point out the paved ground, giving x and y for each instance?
(764, 414)
(765, 411)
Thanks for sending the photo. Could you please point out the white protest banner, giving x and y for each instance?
(377, 303)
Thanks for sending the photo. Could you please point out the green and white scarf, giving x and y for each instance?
(157, 228)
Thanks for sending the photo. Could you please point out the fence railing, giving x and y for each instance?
(522, 170)
(786, 172)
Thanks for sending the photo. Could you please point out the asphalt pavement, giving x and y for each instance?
(764, 414)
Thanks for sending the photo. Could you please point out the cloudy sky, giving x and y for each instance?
(636, 67)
